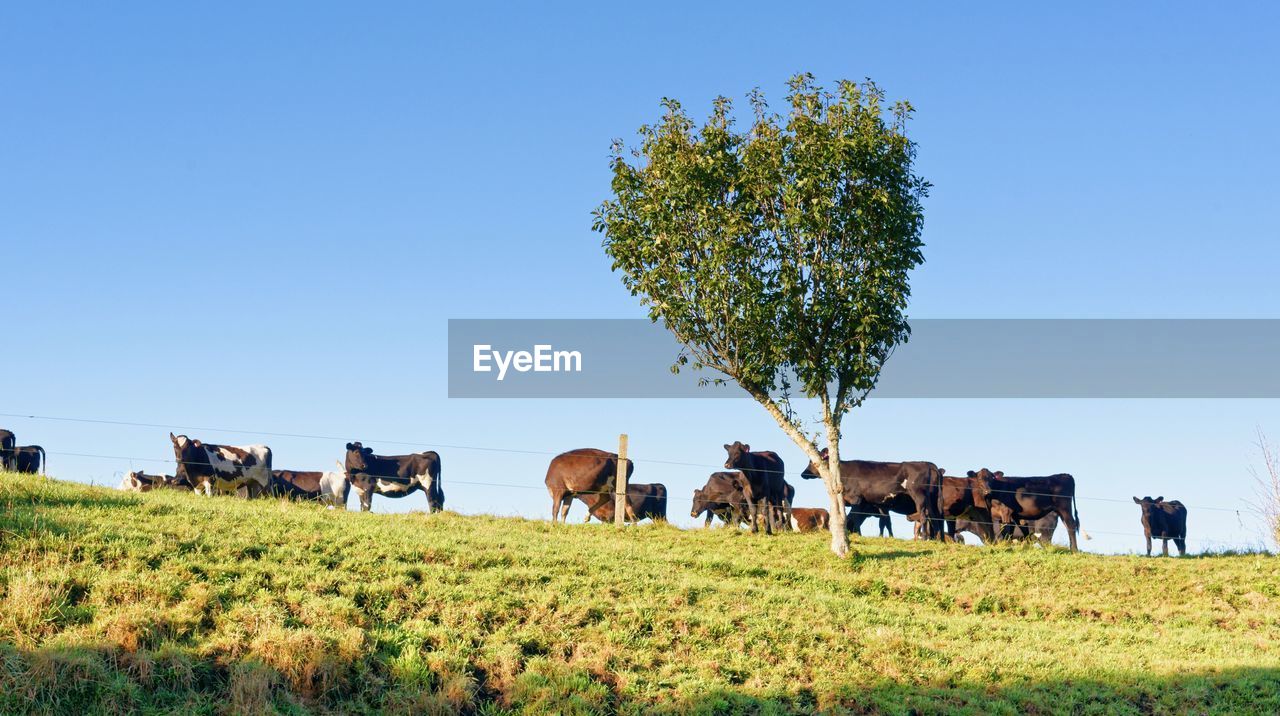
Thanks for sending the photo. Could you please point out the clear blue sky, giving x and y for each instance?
(262, 217)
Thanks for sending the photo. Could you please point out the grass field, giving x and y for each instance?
(170, 603)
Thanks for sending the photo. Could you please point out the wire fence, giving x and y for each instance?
(1238, 512)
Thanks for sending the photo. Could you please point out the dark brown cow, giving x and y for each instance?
(29, 459)
(809, 519)
(877, 488)
(643, 501)
(1041, 529)
(7, 444)
(957, 499)
(721, 497)
(1165, 521)
(856, 517)
(1016, 499)
(765, 486)
(393, 475)
(585, 471)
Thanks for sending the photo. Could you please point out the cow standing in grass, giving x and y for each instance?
(8, 441)
(1016, 499)
(643, 501)
(721, 497)
(29, 459)
(764, 485)
(587, 472)
(1165, 521)
(225, 469)
(877, 488)
(394, 475)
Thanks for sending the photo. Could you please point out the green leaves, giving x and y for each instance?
(781, 250)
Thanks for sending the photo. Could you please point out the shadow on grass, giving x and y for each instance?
(94, 680)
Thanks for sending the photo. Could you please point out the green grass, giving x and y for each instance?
(171, 603)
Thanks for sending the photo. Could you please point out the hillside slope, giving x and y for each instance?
(158, 603)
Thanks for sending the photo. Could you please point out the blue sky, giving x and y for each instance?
(261, 218)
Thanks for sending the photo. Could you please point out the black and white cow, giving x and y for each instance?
(393, 475)
(29, 459)
(7, 444)
(142, 482)
(222, 468)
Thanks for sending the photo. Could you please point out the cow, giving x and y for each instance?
(1041, 529)
(29, 459)
(1165, 521)
(764, 484)
(1015, 499)
(393, 475)
(809, 519)
(223, 469)
(643, 501)
(584, 471)
(721, 497)
(7, 444)
(329, 488)
(877, 488)
(142, 482)
(957, 499)
(858, 515)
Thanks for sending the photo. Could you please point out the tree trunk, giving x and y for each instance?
(835, 489)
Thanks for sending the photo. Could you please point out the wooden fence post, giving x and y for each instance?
(620, 484)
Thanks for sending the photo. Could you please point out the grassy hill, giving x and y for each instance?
(158, 603)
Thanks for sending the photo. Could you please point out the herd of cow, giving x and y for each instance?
(752, 491)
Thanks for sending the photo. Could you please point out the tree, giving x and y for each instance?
(778, 256)
(1268, 487)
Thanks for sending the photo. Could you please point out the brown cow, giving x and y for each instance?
(643, 501)
(765, 486)
(957, 499)
(585, 471)
(721, 497)
(809, 519)
(1016, 499)
(875, 488)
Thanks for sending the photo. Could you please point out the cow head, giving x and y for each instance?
(738, 455)
(132, 483)
(699, 503)
(813, 470)
(357, 467)
(982, 484)
(185, 453)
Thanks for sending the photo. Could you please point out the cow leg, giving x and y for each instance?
(566, 501)
(1181, 544)
(1064, 513)
(1164, 545)
(769, 514)
(707, 524)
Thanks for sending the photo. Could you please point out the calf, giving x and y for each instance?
(721, 497)
(29, 459)
(643, 501)
(584, 471)
(1015, 499)
(7, 444)
(394, 475)
(142, 482)
(958, 499)
(858, 515)
(329, 488)
(809, 519)
(222, 468)
(764, 485)
(1165, 521)
(875, 488)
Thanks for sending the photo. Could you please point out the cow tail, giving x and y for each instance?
(1075, 513)
(44, 460)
